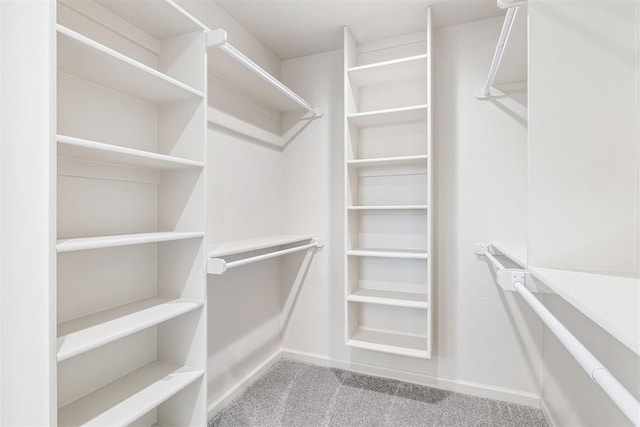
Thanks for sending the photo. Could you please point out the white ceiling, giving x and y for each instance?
(294, 28)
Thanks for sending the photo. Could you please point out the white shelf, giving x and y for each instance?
(389, 71)
(387, 342)
(392, 116)
(89, 332)
(398, 299)
(612, 302)
(216, 250)
(160, 19)
(388, 253)
(388, 208)
(85, 243)
(85, 149)
(390, 161)
(88, 60)
(516, 251)
(130, 397)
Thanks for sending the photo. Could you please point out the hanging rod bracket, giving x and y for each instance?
(216, 38)
(508, 277)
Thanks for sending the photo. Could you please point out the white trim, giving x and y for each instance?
(466, 387)
(547, 414)
(241, 386)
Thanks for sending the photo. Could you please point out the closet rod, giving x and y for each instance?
(628, 404)
(219, 265)
(485, 92)
(218, 38)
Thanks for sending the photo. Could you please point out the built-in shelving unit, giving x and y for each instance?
(388, 278)
(131, 253)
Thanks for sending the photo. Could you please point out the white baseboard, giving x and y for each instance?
(241, 386)
(474, 389)
(545, 410)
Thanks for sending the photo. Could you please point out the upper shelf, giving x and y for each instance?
(391, 116)
(88, 60)
(161, 19)
(215, 250)
(389, 71)
(514, 250)
(245, 74)
(84, 149)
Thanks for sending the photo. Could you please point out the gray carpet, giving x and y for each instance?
(297, 394)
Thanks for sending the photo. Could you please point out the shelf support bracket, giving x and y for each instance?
(508, 277)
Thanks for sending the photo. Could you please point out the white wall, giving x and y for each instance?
(584, 135)
(486, 342)
(584, 188)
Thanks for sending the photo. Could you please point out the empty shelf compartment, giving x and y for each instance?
(388, 342)
(89, 332)
(130, 397)
(389, 71)
(394, 298)
(391, 116)
(91, 61)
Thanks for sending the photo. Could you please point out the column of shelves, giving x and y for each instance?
(388, 192)
(131, 260)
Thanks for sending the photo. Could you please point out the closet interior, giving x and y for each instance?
(199, 196)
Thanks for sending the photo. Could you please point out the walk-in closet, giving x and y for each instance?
(400, 213)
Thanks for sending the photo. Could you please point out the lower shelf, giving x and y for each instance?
(398, 299)
(388, 342)
(88, 332)
(128, 398)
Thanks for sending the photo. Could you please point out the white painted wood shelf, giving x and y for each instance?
(516, 251)
(388, 342)
(128, 398)
(396, 70)
(388, 253)
(86, 333)
(391, 116)
(216, 250)
(99, 242)
(418, 160)
(612, 302)
(160, 19)
(389, 208)
(84, 149)
(89, 60)
(393, 298)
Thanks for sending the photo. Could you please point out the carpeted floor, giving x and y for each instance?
(298, 394)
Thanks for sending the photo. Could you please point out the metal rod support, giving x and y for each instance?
(628, 404)
(270, 255)
(218, 38)
(497, 56)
